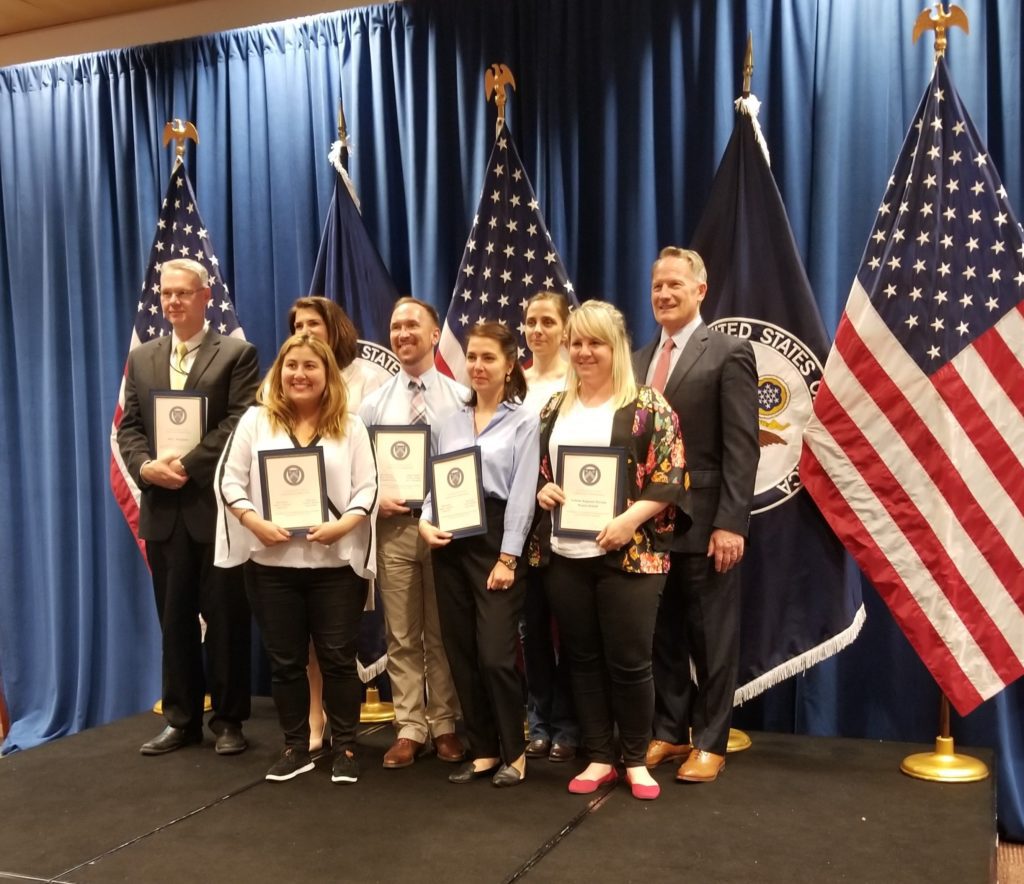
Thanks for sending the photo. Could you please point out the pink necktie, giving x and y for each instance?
(661, 369)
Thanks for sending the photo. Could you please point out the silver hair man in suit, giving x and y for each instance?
(178, 512)
(710, 380)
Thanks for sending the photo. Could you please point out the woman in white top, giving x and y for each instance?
(551, 718)
(324, 319)
(311, 585)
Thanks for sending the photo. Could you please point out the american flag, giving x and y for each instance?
(914, 450)
(509, 257)
(180, 233)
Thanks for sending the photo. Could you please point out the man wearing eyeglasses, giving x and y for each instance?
(178, 510)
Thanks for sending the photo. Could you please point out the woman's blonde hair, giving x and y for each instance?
(602, 322)
(333, 404)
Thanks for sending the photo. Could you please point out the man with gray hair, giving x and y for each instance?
(178, 512)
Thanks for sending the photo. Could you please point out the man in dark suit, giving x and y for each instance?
(710, 379)
(178, 513)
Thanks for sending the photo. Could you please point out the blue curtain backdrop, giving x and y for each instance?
(622, 112)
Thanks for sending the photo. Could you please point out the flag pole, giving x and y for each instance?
(944, 765)
(180, 131)
(739, 741)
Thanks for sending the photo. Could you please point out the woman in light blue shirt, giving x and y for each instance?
(480, 591)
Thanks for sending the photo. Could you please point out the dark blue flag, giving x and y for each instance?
(801, 603)
(350, 271)
(349, 268)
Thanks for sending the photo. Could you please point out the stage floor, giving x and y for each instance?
(89, 808)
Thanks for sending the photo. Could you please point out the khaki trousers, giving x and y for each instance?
(421, 681)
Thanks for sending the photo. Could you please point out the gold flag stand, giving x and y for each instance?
(944, 765)
(374, 710)
(496, 78)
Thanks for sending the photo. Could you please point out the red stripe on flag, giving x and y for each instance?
(947, 476)
(920, 535)
(1003, 363)
(920, 631)
(984, 434)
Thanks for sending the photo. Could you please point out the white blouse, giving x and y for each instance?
(351, 478)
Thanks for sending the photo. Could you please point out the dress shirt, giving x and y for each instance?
(681, 338)
(391, 404)
(509, 463)
(350, 473)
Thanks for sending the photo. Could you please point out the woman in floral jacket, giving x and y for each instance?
(605, 591)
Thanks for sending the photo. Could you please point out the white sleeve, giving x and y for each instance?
(232, 489)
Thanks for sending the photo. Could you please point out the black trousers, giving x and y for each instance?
(185, 585)
(549, 708)
(699, 618)
(479, 630)
(607, 617)
(292, 605)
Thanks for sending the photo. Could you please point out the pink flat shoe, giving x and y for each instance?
(645, 793)
(585, 787)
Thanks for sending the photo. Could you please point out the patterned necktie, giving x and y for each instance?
(418, 408)
(179, 374)
(660, 377)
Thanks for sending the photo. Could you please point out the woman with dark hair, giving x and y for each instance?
(323, 319)
(480, 592)
(310, 586)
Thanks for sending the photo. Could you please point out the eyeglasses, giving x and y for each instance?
(180, 294)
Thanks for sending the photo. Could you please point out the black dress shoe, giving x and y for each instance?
(467, 773)
(538, 748)
(230, 741)
(169, 739)
(561, 752)
(507, 775)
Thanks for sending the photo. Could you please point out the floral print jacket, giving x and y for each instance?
(648, 429)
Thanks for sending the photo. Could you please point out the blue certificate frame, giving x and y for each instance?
(294, 487)
(407, 471)
(457, 493)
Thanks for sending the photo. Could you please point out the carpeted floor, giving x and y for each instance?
(89, 808)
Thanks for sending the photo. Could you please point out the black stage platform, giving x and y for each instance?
(89, 808)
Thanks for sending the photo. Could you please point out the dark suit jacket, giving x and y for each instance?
(713, 390)
(227, 371)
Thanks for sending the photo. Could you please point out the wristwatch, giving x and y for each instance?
(509, 562)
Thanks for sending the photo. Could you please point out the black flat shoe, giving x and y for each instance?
(507, 775)
(467, 773)
(169, 739)
(230, 741)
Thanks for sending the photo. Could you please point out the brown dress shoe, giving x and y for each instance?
(660, 751)
(402, 753)
(561, 752)
(701, 767)
(449, 748)
(538, 748)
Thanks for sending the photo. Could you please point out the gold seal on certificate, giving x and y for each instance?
(457, 493)
(591, 479)
(179, 421)
(294, 487)
(402, 454)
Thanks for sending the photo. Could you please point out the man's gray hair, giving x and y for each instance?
(201, 274)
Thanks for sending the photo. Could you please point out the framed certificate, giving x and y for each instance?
(294, 487)
(402, 455)
(179, 421)
(457, 493)
(592, 481)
